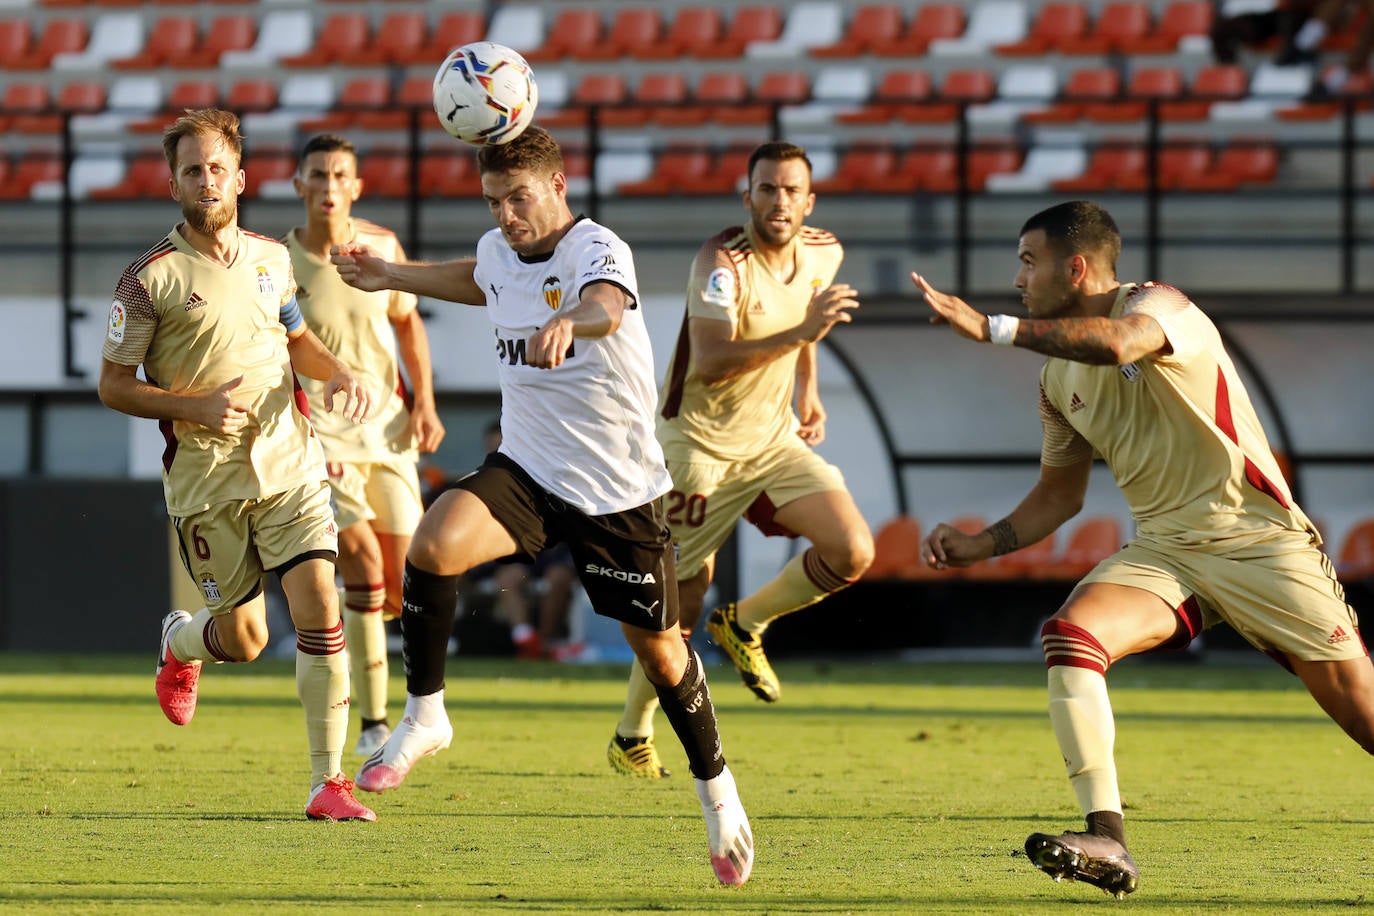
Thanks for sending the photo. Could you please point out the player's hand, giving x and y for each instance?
(427, 428)
(958, 314)
(812, 416)
(947, 546)
(360, 267)
(548, 346)
(221, 411)
(829, 307)
(357, 402)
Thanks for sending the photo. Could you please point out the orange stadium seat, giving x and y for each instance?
(1104, 166)
(266, 166)
(631, 28)
(896, 90)
(29, 171)
(415, 92)
(676, 162)
(1212, 83)
(896, 549)
(656, 92)
(251, 95)
(982, 162)
(449, 173)
(1080, 96)
(36, 112)
(451, 31)
(225, 33)
(1162, 83)
(572, 30)
(748, 25)
(931, 21)
(1057, 22)
(1253, 163)
(170, 37)
(871, 26)
(859, 167)
(399, 40)
(593, 90)
(1174, 164)
(340, 37)
(774, 88)
(1093, 540)
(693, 29)
(959, 86)
(146, 178)
(363, 95)
(386, 173)
(716, 91)
(197, 93)
(1356, 559)
(16, 39)
(1119, 26)
(1025, 563)
(725, 175)
(1180, 19)
(919, 168)
(59, 36)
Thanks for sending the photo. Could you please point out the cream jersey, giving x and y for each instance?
(1178, 432)
(195, 325)
(584, 430)
(750, 413)
(356, 327)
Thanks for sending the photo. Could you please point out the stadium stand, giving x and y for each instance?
(630, 29)
(693, 30)
(59, 36)
(1356, 558)
(748, 25)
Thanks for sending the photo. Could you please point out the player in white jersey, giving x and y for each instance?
(578, 464)
(210, 313)
(372, 474)
(1138, 375)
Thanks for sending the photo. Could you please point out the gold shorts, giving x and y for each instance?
(229, 546)
(1280, 594)
(386, 493)
(710, 496)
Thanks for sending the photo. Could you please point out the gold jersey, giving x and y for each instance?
(356, 327)
(195, 325)
(1178, 432)
(730, 282)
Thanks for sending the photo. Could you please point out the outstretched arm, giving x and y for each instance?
(361, 267)
(1056, 497)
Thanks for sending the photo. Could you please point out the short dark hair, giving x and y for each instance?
(777, 151)
(328, 143)
(535, 150)
(210, 121)
(1078, 227)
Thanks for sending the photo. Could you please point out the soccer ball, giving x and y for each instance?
(484, 93)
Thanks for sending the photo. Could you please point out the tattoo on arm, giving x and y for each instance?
(1084, 340)
(1003, 537)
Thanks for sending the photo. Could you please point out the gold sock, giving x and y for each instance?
(805, 580)
(641, 700)
(1081, 715)
(367, 661)
(322, 685)
(192, 642)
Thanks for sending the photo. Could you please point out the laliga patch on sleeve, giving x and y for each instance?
(115, 332)
(720, 287)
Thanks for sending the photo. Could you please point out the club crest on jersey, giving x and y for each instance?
(265, 285)
(1130, 372)
(553, 292)
(210, 587)
(117, 321)
(720, 287)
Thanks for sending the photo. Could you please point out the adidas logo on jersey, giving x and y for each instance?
(194, 302)
(1338, 635)
(1076, 403)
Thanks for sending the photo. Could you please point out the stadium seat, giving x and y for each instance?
(727, 175)
(225, 33)
(170, 37)
(1243, 163)
(896, 548)
(773, 90)
(112, 35)
(930, 22)
(992, 23)
(1213, 83)
(340, 37)
(693, 29)
(1104, 166)
(1181, 18)
(919, 168)
(1025, 563)
(630, 28)
(897, 89)
(251, 96)
(717, 91)
(810, 24)
(594, 90)
(59, 36)
(1021, 88)
(33, 169)
(415, 94)
(198, 93)
(1078, 99)
(1355, 562)
(260, 168)
(677, 163)
(958, 87)
(748, 24)
(573, 29)
(452, 30)
(281, 34)
(1174, 163)
(364, 95)
(1056, 22)
(516, 25)
(25, 103)
(657, 92)
(1146, 83)
(982, 162)
(1119, 27)
(870, 27)
(386, 173)
(858, 168)
(1093, 540)
(399, 40)
(16, 39)
(449, 173)
(1043, 165)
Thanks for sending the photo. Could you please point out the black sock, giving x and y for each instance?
(368, 723)
(428, 607)
(689, 710)
(1108, 824)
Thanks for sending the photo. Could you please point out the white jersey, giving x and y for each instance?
(584, 430)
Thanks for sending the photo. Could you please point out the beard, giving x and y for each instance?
(765, 230)
(212, 220)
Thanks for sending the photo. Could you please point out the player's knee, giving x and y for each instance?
(853, 560)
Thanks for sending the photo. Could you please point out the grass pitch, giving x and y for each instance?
(872, 788)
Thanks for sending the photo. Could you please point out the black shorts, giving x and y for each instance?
(624, 560)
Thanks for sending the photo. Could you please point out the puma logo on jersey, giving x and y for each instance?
(620, 575)
(1076, 403)
(646, 608)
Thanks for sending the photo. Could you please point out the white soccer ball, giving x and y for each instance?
(484, 93)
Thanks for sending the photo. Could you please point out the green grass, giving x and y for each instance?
(872, 788)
